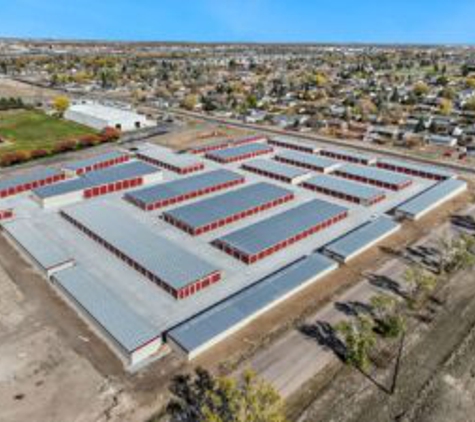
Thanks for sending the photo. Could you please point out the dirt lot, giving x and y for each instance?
(198, 133)
(29, 93)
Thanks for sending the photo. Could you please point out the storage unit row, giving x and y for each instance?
(374, 176)
(97, 162)
(349, 156)
(345, 189)
(208, 328)
(239, 153)
(291, 144)
(28, 181)
(215, 146)
(260, 240)
(216, 212)
(277, 171)
(177, 191)
(97, 183)
(174, 269)
(307, 161)
(418, 170)
(165, 158)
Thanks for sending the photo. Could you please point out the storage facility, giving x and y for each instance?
(208, 328)
(360, 240)
(239, 153)
(277, 171)
(177, 191)
(129, 334)
(98, 183)
(257, 241)
(350, 156)
(27, 181)
(174, 269)
(97, 162)
(215, 146)
(418, 170)
(347, 190)
(213, 213)
(46, 255)
(291, 144)
(374, 176)
(308, 161)
(99, 116)
(416, 208)
(163, 157)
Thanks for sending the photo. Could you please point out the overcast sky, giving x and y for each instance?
(380, 21)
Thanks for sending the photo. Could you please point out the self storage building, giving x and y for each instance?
(31, 180)
(130, 335)
(308, 161)
(278, 171)
(264, 238)
(167, 159)
(177, 271)
(97, 183)
(208, 328)
(97, 162)
(412, 169)
(349, 156)
(177, 191)
(213, 213)
(347, 190)
(239, 153)
(374, 176)
(294, 145)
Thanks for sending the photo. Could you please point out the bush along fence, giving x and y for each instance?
(86, 141)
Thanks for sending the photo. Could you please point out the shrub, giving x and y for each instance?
(89, 141)
(64, 146)
(12, 158)
(39, 153)
(109, 134)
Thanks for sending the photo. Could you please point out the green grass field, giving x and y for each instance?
(28, 130)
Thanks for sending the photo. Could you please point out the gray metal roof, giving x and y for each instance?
(165, 155)
(219, 207)
(309, 159)
(271, 231)
(166, 260)
(122, 172)
(117, 173)
(274, 167)
(62, 188)
(229, 153)
(215, 321)
(184, 186)
(42, 249)
(28, 177)
(418, 167)
(348, 153)
(373, 173)
(428, 198)
(114, 315)
(346, 187)
(350, 244)
(97, 159)
(293, 142)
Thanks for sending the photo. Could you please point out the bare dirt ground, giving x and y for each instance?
(196, 133)
(30, 93)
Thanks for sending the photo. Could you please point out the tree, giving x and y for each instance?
(420, 282)
(61, 104)
(190, 102)
(421, 88)
(359, 339)
(320, 80)
(204, 398)
(445, 106)
(390, 322)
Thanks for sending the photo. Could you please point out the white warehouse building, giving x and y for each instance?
(99, 116)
